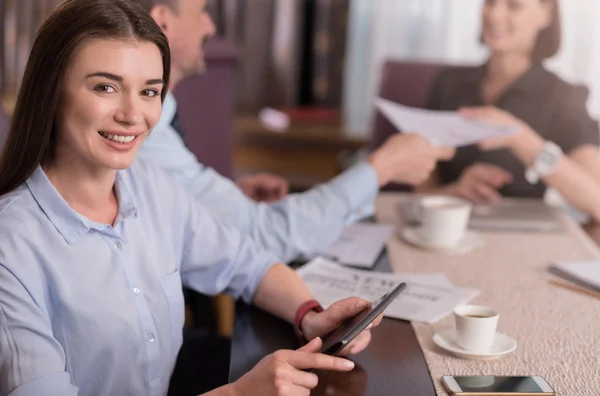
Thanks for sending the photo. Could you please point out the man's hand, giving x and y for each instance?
(264, 187)
(319, 324)
(283, 373)
(480, 183)
(407, 158)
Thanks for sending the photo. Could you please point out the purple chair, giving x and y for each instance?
(4, 126)
(206, 107)
(407, 83)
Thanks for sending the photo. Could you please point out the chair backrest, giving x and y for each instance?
(407, 83)
(4, 126)
(206, 107)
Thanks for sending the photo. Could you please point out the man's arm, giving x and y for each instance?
(300, 224)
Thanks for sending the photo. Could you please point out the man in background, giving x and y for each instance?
(299, 224)
(296, 225)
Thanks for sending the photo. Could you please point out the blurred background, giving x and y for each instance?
(320, 62)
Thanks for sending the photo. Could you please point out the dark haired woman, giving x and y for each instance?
(94, 248)
(558, 141)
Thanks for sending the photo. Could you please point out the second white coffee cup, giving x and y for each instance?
(476, 327)
(444, 220)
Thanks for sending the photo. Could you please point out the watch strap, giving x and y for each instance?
(306, 307)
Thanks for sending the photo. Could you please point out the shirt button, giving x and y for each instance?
(136, 291)
(119, 245)
(150, 337)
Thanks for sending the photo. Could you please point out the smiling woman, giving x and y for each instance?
(96, 247)
(109, 102)
(70, 64)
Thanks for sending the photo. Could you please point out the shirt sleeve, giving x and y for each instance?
(300, 225)
(32, 361)
(215, 257)
(572, 126)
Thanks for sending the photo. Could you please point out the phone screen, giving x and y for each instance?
(493, 384)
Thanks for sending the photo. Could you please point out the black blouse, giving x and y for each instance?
(555, 109)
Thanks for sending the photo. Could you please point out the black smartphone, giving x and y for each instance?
(335, 341)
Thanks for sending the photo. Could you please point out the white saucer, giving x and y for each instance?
(503, 344)
(471, 241)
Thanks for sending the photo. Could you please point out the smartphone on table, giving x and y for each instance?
(486, 385)
(343, 335)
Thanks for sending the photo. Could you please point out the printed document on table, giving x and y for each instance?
(427, 298)
(443, 128)
(360, 244)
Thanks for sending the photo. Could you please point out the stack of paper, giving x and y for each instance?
(584, 274)
(360, 244)
(427, 298)
(444, 128)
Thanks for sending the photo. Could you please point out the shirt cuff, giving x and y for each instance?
(358, 186)
(265, 260)
(58, 384)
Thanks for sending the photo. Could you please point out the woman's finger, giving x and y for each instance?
(357, 345)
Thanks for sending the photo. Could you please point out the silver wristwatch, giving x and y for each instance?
(545, 163)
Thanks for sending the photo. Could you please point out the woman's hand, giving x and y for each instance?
(525, 143)
(283, 373)
(319, 324)
(480, 183)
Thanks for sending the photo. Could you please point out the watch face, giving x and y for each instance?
(548, 158)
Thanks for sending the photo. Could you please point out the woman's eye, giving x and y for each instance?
(105, 88)
(150, 92)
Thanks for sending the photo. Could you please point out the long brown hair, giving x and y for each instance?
(31, 139)
(549, 39)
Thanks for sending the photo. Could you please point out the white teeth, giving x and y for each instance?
(118, 138)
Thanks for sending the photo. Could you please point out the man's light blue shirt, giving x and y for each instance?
(299, 225)
(93, 309)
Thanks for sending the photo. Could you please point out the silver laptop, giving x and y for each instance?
(517, 214)
(520, 214)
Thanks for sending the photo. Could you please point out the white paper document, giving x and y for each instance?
(427, 298)
(360, 244)
(582, 273)
(443, 128)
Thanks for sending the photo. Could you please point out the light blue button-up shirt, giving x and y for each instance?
(299, 225)
(92, 309)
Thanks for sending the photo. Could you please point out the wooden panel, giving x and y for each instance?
(306, 154)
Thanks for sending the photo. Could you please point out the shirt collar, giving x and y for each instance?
(169, 108)
(71, 225)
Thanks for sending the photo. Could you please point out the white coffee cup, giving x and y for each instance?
(444, 220)
(475, 327)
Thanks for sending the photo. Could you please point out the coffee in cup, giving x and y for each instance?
(475, 327)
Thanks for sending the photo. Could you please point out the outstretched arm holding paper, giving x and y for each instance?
(575, 175)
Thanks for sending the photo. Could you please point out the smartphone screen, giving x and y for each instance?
(340, 337)
(493, 384)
